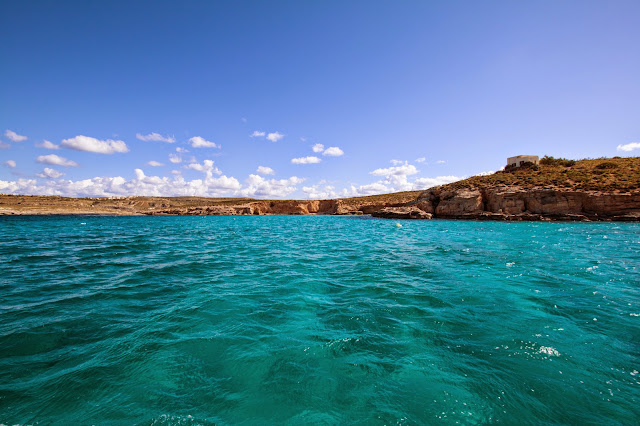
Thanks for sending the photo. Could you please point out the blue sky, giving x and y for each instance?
(406, 94)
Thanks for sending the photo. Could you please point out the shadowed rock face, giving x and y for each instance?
(528, 204)
(406, 212)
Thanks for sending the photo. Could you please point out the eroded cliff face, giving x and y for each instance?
(286, 207)
(509, 203)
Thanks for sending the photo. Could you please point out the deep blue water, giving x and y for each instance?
(317, 320)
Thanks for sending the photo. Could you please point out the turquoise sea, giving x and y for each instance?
(317, 320)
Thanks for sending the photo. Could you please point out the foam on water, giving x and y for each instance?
(317, 320)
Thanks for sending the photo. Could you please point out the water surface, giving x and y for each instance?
(317, 320)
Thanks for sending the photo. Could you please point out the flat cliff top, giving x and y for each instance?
(138, 205)
(612, 175)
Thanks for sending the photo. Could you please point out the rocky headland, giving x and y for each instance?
(556, 189)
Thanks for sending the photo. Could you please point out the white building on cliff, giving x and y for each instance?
(519, 160)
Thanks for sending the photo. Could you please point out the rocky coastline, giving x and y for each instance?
(557, 189)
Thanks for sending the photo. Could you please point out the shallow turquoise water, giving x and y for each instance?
(317, 320)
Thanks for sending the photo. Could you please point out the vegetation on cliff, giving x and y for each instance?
(602, 175)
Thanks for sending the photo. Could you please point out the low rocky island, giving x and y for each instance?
(556, 189)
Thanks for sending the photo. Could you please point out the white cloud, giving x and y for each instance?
(396, 162)
(10, 163)
(175, 158)
(405, 170)
(303, 139)
(206, 167)
(14, 137)
(333, 151)
(89, 144)
(199, 142)
(629, 147)
(440, 162)
(257, 134)
(50, 173)
(259, 187)
(153, 163)
(318, 192)
(424, 183)
(275, 136)
(180, 149)
(305, 160)
(47, 145)
(156, 137)
(119, 186)
(318, 147)
(56, 160)
(263, 170)
(421, 160)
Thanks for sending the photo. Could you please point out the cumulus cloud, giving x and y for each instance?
(155, 137)
(153, 163)
(318, 147)
(10, 163)
(200, 142)
(14, 137)
(47, 145)
(421, 160)
(89, 144)
(424, 183)
(175, 158)
(119, 186)
(275, 136)
(629, 147)
(206, 167)
(333, 151)
(257, 134)
(48, 173)
(305, 160)
(405, 170)
(263, 170)
(259, 187)
(56, 160)
(320, 192)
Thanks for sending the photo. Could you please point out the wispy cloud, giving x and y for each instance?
(153, 163)
(14, 137)
(47, 145)
(200, 142)
(440, 162)
(421, 160)
(629, 147)
(305, 160)
(275, 136)
(333, 151)
(156, 137)
(10, 163)
(263, 170)
(56, 160)
(89, 144)
(257, 134)
(48, 173)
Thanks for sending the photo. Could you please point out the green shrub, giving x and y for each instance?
(551, 161)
